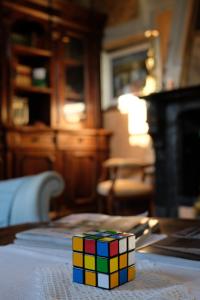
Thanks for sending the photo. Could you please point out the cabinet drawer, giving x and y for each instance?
(31, 140)
(76, 142)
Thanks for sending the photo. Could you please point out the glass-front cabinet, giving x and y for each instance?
(72, 88)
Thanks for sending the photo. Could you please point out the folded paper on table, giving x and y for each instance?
(59, 234)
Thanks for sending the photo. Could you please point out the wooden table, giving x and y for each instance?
(7, 235)
(170, 226)
(167, 226)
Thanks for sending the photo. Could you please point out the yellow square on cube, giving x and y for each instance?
(114, 280)
(113, 264)
(131, 273)
(123, 261)
(78, 259)
(90, 278)
(77, 243)
(90, 262)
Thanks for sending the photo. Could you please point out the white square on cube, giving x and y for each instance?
(131, 242)
(131, 258)
(103, 280)
(122, 245)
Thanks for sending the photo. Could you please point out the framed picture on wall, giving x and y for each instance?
(126, 70)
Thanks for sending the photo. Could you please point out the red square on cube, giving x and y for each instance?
(90, 246)
(114, 249)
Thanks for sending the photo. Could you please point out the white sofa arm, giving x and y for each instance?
(31, 197)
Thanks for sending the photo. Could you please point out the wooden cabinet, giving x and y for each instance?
(30, 152)
(82, 161)
(50, 95)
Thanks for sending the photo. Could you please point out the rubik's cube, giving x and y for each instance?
(104, 259)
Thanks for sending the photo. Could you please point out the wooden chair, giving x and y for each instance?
(121, 187)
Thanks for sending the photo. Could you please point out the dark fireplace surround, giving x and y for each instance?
(174, 122)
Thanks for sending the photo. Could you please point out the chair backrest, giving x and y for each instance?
(128, 167)
(27, 199)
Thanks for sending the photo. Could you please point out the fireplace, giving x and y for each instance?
(174, 121)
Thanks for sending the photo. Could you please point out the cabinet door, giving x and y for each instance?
(33, 162)
(80, 173)
(71, 81)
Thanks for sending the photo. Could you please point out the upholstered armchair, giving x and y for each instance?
(27, 199)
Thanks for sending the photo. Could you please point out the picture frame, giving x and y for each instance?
(124, 70)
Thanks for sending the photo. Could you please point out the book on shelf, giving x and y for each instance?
(59, 234)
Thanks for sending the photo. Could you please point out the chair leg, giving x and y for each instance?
(109, 203)
(100, 204)
(151, 206)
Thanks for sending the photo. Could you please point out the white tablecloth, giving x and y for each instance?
(44, 274)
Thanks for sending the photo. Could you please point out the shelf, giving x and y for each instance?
(74, 98)
(30, 51)
(33, 89)
(72, 62)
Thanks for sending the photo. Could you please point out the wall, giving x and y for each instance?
(117, 123)
(151, 14)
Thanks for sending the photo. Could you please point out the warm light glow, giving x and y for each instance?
(137, 117)
(136, 109)
(141, 140)
(151, 33)
(74, 112)
(125, 102)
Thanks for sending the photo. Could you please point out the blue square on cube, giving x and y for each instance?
(123, 276)
(102, 249)
(78, 275)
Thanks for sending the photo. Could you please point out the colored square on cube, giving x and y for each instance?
(114, 264)
(131, 273)
(131, 258)
(90, 246)
(89, 262)
(90, 278)
(114, 280)
(103, 281)
(131, 242)
(122, 245)
(77, 243)
(114, 248)
(102, 248)
(104, 259)
(102, 264)
(78, 275)
(123, 261)
(78, 259)
(123, 276)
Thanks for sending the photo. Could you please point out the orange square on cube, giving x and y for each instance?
(123, 261)
(114, 280)
(78, 259)
(90, 278)
(131, 273)
(77, 243)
